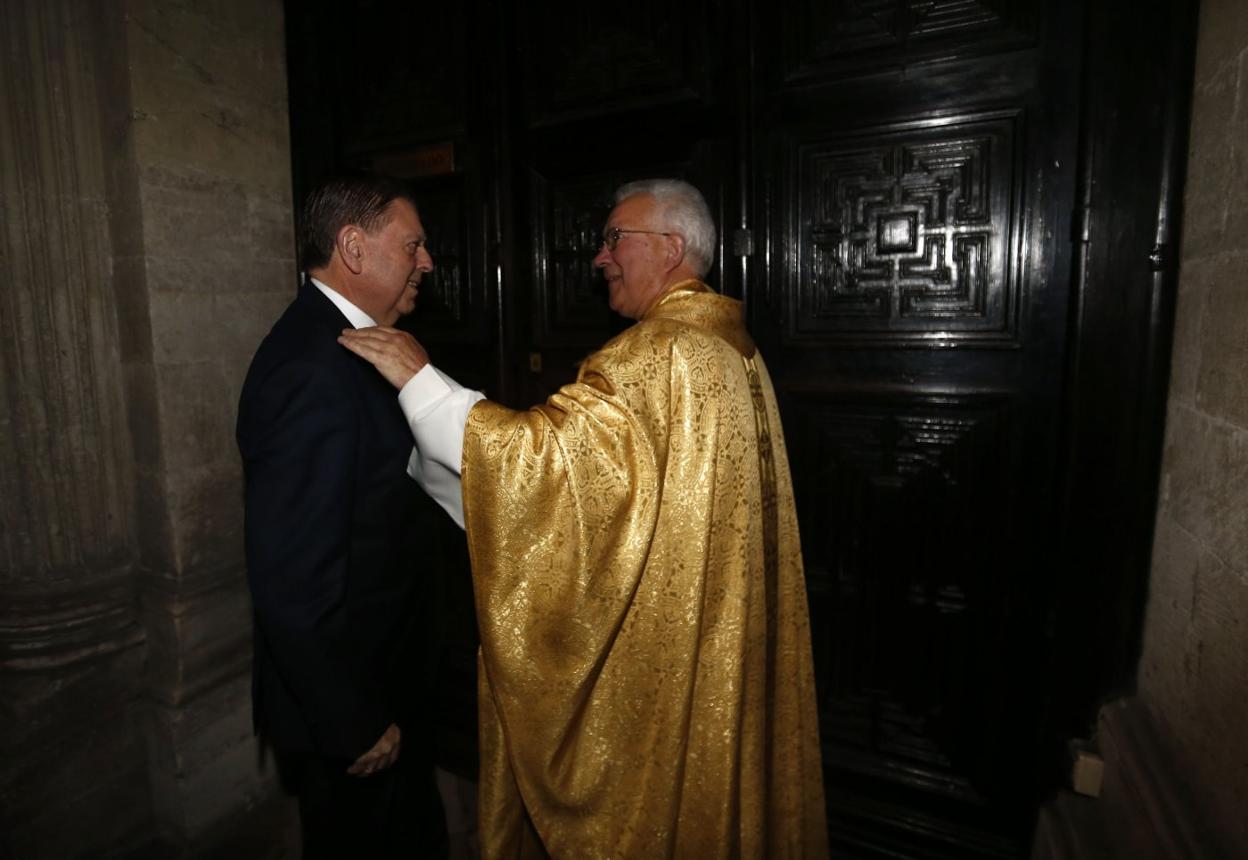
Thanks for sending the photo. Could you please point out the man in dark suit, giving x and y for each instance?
(331, 536)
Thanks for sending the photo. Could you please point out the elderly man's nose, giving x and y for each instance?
(424, 260)
(603, 257)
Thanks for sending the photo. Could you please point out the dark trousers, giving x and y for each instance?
(392, 814)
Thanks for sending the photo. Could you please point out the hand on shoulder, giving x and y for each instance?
(396, 354)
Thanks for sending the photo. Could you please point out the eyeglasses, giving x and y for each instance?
(611, 237)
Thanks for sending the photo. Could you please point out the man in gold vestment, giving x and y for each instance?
(646, 686)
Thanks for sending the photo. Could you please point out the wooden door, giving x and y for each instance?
(913, 186)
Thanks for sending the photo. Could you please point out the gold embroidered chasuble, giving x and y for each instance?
(646, 686)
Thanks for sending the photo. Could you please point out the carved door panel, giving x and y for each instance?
(914, 180)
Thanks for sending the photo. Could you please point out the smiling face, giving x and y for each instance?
(394, 261)
(637, 269)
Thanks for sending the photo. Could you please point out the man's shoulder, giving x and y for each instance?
(299, 350)
(304, 332)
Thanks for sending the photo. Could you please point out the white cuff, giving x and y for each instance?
(422, 393)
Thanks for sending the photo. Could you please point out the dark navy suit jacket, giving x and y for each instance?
(331, 543)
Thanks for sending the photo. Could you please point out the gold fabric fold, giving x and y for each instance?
(646, 685)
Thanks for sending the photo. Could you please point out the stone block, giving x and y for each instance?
(43, 706)
(1222, 34)
(210, 763)
(206, 508)
(221, 628)
(134, 323)
(197, 416)
(1210, 166)
(1205, 483)
(1194, 671)
(182, 327)
(200, 634)
(1211, 732)
(270, 226)
(224, 276)
(154, 528)
(196, 272)
(1237, 189)
(144, 414)
(50, 810)
(221, 141)
(190, 214)
(254, 315)
(1175, 566)
(209, 92)
(1194, 279)
(223, 45)
(1147, 807)
(1222, 382)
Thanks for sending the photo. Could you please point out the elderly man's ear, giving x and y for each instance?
(675, 250)
(350, 245)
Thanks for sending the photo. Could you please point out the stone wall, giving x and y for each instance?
(145, 247)
(1194, 668)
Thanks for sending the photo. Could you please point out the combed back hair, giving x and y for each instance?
(350, 198)
(684, 211)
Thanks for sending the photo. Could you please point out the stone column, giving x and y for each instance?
(75, 770)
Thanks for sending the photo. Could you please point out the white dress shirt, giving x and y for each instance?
(357, 317)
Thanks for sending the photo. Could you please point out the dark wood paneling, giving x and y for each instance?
(454, 307)
(567, 217)
(829, 41)
(586, 59)
(401, 72)
(906, 519)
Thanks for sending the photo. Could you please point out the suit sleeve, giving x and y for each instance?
(300, 454)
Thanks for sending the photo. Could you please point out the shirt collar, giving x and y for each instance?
(354, 315)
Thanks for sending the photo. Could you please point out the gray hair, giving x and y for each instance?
(684, 211)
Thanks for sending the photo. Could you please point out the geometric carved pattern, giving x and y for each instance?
(903, 612)
(827, 39)
(906, 234)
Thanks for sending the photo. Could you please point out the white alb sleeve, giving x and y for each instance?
(436, 408)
